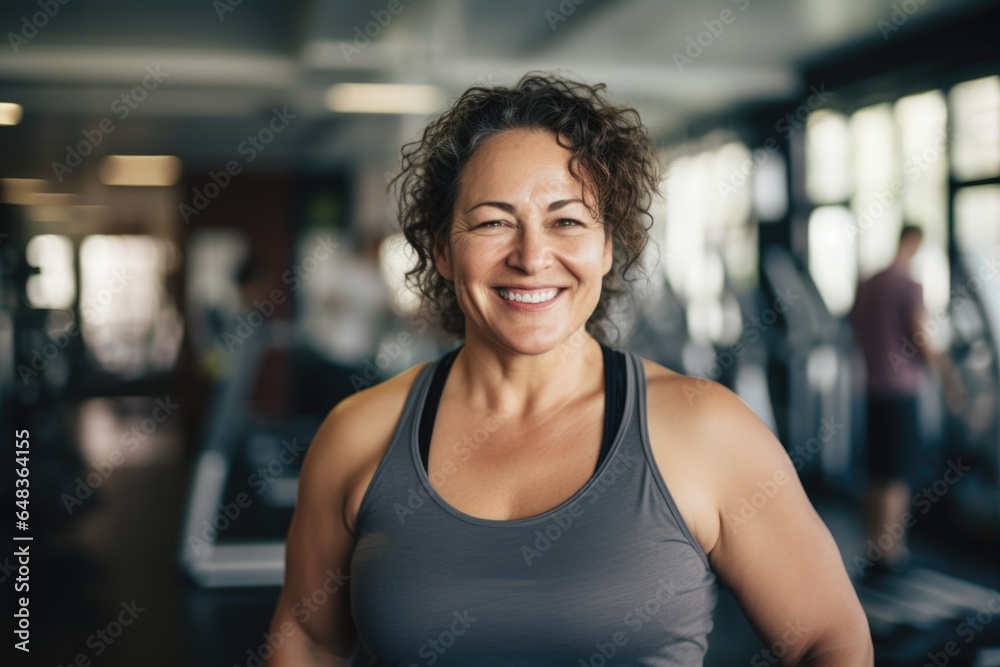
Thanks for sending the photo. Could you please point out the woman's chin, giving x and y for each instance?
(530, 342)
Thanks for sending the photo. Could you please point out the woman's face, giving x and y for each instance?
(523, 227)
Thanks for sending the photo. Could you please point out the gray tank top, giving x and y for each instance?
(612, 576)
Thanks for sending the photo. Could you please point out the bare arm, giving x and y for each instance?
(774, 552)
(313, 612)
(939, 362)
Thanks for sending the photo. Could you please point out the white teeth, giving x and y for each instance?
(529, 297)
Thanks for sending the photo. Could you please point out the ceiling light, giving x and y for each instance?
(20, 190)
(50, 213)
(50, 199)
(10, 113)
(383, 98)
(143, 170)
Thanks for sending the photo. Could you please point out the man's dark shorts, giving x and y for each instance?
(893, 437)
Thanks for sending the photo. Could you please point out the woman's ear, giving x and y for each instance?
(442, 259)
(609, 256)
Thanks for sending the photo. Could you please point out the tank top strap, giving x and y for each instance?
(654, 486)
(396, 469)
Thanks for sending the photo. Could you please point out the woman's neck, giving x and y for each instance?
(520, 385)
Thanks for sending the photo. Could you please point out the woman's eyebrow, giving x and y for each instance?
(509, 208)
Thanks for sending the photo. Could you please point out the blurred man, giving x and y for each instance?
(886, 318)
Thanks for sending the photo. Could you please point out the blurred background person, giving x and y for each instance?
(889, 321)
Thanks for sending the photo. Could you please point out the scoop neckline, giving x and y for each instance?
(538, 518)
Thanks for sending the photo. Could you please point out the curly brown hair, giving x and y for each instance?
(608, 144)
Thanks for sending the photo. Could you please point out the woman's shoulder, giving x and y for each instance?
(378, 397)
(368, 417)
(687, 399)
(706, 441)
(355, 436)
(676, 396)
(707, 420)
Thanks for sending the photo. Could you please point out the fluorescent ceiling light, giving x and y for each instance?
(383, 98)
(50, 199)
(10, 113)
(75, 213)
(20, 190)
(148, 170)
(47, 213)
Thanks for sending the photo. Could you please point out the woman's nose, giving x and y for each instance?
(532, 251)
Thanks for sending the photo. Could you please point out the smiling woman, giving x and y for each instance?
(517, 501)
(602, 175)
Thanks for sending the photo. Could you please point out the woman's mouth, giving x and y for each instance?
(529, 299)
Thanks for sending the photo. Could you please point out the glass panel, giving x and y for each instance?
(396, 257)
(924, 143)
(738, 239)
(930, 268)
(54, 286)
(977, 232)
(705, 312)
(734, 166)
(129, 322)
(655, 257)
(832, 257)
(684, 238)
(877, 204)
(827, 157)
(709, 239)
(976, 126)
(770, 187)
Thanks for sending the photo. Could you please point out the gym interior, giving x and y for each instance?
(199, 258)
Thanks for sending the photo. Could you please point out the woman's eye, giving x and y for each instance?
(492, 224)
(571, 222)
